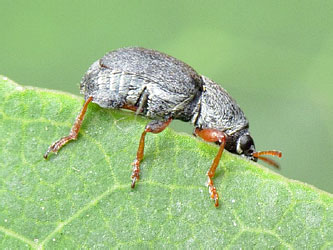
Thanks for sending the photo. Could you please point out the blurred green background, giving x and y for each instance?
(274, 57)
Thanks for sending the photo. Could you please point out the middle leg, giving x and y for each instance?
(152, 127)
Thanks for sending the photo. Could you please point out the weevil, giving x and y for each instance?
(164, 88)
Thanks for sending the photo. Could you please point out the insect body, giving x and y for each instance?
(163, 88)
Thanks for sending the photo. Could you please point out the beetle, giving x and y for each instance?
(163, 88)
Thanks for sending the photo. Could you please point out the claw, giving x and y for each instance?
(213, 193)
(135, 172)
(53, 148)
(133, 182)
(46, 154)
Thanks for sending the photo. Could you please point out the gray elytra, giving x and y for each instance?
(164, 88)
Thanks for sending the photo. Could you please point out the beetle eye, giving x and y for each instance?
(245, 145)
(246, 142)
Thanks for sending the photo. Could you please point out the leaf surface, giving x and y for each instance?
(81, 197)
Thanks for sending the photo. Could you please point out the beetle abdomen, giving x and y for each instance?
(173, 74)
(159, 84)
(111, 88)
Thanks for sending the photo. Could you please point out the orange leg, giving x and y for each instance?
(153, 127)
(73, 133)
(213, 135)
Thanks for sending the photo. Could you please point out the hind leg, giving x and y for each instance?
(72, 134)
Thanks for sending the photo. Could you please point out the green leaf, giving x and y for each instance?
(82, 196)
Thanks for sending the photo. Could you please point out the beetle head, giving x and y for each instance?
(245, 146)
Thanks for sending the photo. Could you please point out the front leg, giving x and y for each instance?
(213, 135)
